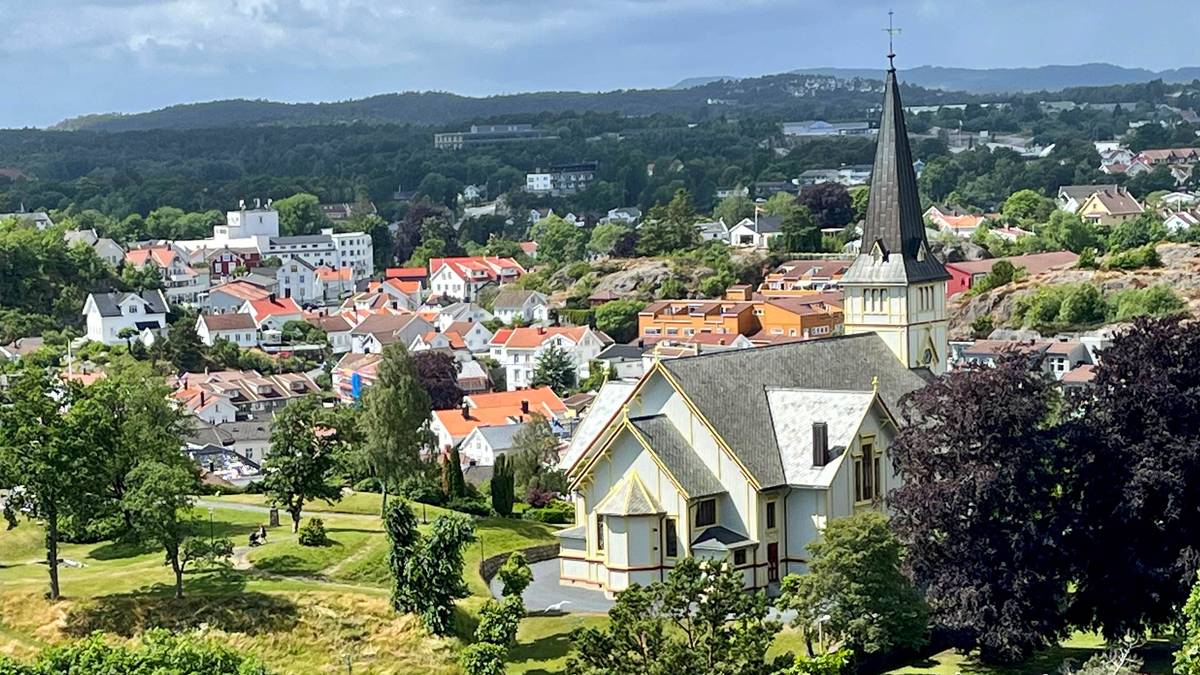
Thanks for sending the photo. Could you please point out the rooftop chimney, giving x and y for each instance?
(820, 444)
(271, 298)
(525, 407)
(466, 411)
(541, 330)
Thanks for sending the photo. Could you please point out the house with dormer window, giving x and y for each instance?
(116, 318)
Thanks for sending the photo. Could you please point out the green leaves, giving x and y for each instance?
(427, 570)
(700, 620)
(855, 589)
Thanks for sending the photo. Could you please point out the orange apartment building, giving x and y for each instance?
(763, 320)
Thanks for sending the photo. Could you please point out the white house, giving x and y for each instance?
(296, 279)
(474, 334)
(272, 312)
(755, 232)
(111, 314)
(528, 307)
(461, 311)
(380, 330)
(183, 283)
(337, 332)
(486, 442)
(463, 278)
(238, 328)
(1181, 220)
(518, 349)
(744, 455)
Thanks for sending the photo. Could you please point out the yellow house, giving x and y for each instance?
(1110, 206)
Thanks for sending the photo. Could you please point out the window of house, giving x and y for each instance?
(739, 557)
(599, 533)
(706, 513)
(771, 515)
(671, 545)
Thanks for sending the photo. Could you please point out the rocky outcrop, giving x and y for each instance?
(1180, 271)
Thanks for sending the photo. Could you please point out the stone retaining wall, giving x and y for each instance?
(489, 566)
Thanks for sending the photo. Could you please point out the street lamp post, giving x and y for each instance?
(210, 527)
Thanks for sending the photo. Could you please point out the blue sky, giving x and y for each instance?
(60, 58)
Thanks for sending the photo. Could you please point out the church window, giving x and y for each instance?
(876, 300)
(771, 515)
(706, 513)
(672, 539)
(739, 557)
(599, 533)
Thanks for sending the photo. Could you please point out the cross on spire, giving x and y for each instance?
(891, 31)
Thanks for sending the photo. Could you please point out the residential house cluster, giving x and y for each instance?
(463, 278)
(1179, 161)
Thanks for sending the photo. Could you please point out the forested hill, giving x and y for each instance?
(796, 96)
(1016, 80)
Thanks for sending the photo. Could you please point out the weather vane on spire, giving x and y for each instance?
(891, 31)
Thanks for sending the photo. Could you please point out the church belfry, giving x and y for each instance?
(896, 287)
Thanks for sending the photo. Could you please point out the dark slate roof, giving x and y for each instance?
(729, 387)
(619, 351)
(721, 539)
(679, 457)
(109, 304)
(894, 214)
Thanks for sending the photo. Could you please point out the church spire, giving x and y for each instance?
(894, 220)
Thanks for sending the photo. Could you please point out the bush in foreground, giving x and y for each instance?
(155, 653)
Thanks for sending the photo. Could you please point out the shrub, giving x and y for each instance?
(515, 575)
(157, 651)
(498, 621)
(312, 533)
(473, 506)
(556, 512)
(421, 488)
(1133, 259)
(483, 658)
(538, 497)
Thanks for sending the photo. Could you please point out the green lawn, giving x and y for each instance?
(304, 609)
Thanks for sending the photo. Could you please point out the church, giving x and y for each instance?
(744, 455)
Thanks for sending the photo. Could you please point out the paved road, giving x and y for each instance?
(545, 591)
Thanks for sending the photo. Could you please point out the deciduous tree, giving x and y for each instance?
(159, 501)
(855, 589)
(395, 412)
(307, 441)
(980, 509)
(47, 454)
(700, 620)
(1136, 449)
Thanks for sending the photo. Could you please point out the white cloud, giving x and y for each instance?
(317, 33)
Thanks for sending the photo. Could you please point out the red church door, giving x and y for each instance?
(772, 562)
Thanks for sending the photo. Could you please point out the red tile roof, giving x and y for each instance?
(406, 273)
(261, 309)
(533, 336)
(242, 290)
